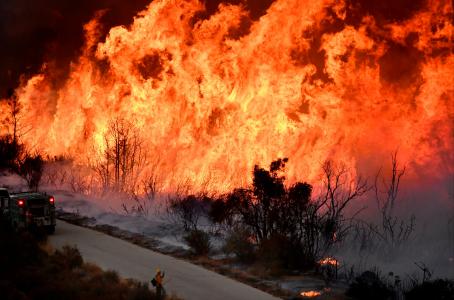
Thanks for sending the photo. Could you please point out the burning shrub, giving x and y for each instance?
(369, 285)
(328, 268)
(239, 243)
(437, 290)
(199, 241)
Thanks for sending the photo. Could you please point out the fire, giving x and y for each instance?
(329, 261)
(310, 294)
(211, 97)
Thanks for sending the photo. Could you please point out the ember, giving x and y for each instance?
(310, 294)
(329, 261)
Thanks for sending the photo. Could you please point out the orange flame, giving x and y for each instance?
(211, 98)
(310, 294)
(329, 261)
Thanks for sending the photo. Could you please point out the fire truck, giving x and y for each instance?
(30, 210)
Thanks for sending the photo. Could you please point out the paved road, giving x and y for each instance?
(184, 279)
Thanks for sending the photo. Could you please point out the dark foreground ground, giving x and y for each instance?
(30, 270)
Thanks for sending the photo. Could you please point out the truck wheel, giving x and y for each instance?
(51, 229)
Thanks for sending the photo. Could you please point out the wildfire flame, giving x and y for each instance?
(310, 294)
(213, 96)
(329, 261)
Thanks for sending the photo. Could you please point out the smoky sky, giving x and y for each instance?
(36, 31)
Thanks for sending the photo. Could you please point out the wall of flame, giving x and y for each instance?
(212, 96)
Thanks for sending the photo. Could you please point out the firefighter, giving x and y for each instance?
(157, 282)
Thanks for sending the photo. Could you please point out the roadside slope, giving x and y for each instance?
(188, 281)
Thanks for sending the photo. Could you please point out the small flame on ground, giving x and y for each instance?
(329, 261)
(310, 294)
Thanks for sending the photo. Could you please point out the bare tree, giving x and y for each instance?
(15, 108)
(12, 151)
(152, 181)
(326, 222)
(123, 157)
(394, 231)
(79, 181)
(14, 117)
(339, 191)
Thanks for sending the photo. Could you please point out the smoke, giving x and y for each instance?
(51, 31)
(385, 11)
(431, 242)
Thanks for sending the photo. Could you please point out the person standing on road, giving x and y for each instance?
(157, 282)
